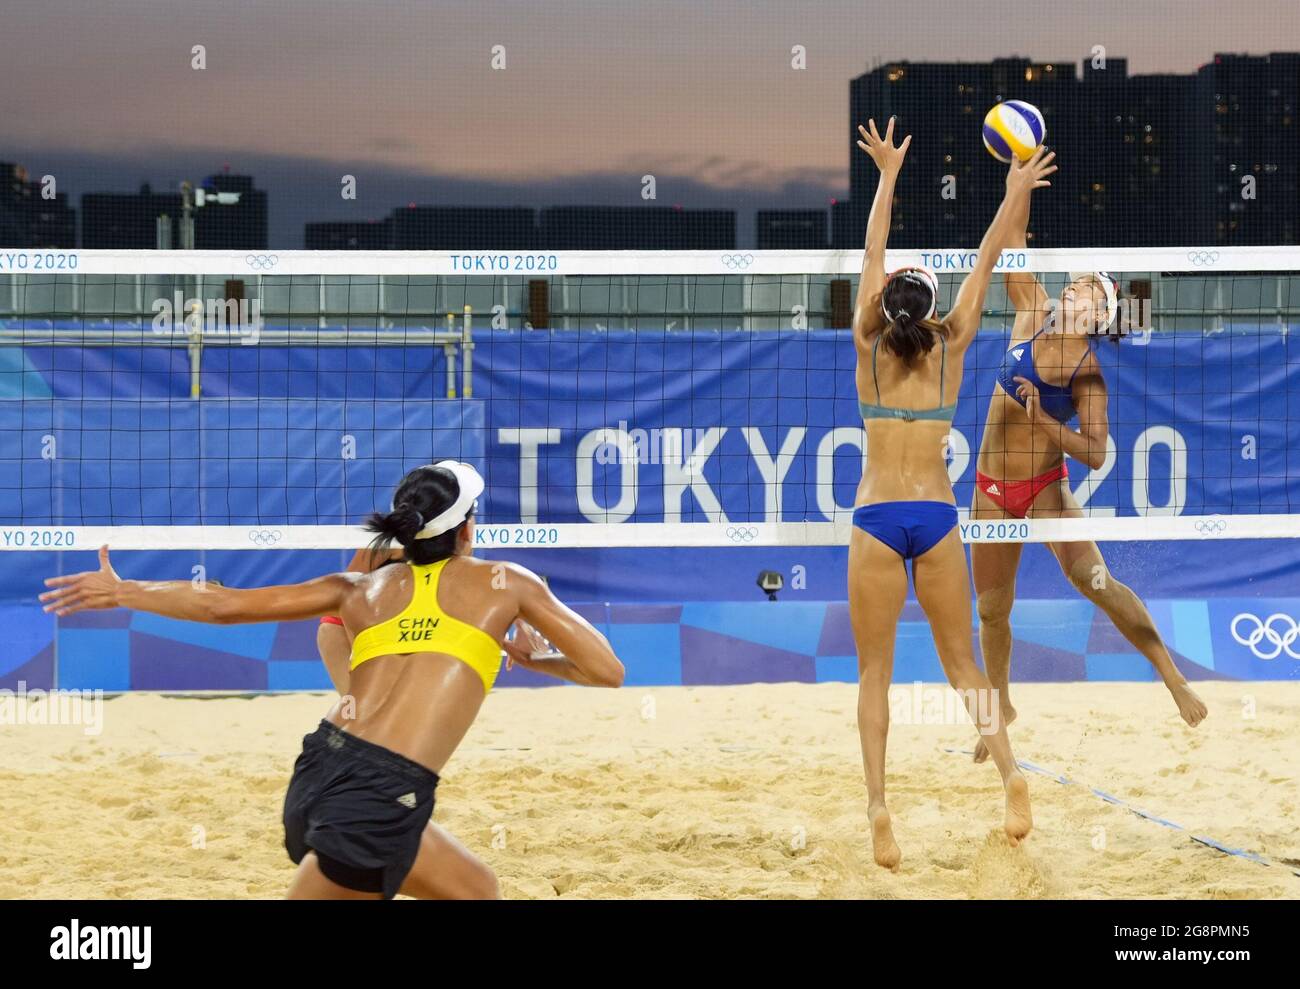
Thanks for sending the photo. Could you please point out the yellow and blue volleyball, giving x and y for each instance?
(1014, 128)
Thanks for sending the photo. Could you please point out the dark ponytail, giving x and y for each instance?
(423, 494)
(909, 334)
(909, 338)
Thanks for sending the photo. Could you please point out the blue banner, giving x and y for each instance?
(752, 426)
(643, 426)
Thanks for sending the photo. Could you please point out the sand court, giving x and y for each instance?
(704, 792)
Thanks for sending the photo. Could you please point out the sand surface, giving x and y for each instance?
(751, 791)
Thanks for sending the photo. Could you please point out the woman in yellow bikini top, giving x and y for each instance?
(423, 626)
(425, 653)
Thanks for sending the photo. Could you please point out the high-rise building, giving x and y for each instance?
(1247, 119)
(237, 227)
(129, 221)
(950, 185)
(1153, 160)
(349, 236)
(126, 221)
(849, 223)
(791, 229)
(31, 216)
(635, 228)
(1138, 160)
(470, 228)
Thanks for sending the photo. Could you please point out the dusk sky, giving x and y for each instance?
(403, 96)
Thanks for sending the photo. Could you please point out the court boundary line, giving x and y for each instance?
(1110, 798)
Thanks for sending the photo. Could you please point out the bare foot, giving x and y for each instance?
(982, 750)
(1019, 820)
(883, 845)
(1191, 707)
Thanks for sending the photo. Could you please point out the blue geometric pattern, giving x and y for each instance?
(660, 644)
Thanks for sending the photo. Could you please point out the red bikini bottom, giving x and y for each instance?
(1016, 496)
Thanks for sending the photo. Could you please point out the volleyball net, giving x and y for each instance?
(220, 401)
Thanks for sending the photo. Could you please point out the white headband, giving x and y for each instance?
(920, 274)
(470, 485)
(1107, 286)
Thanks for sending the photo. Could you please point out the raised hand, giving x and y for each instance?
(888, 159)
(1026, 176)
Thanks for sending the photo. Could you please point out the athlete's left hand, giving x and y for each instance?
(1029, 393)
(92, 590)
(888, 158)
(526, 644)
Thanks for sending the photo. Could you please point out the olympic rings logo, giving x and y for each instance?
(1265, 632)
(1212, 526)
(742, 533)
(263, 261)
(1203, 257)
(736, 261)
(264, 537)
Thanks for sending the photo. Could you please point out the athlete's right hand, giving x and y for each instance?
(1026, 176)
(1028, 393)
(93, 590)
(888, 158)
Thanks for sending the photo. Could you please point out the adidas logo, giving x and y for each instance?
(992, 489)
(407, 800)
(1019, 352)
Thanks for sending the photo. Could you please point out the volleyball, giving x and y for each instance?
(1013, 128)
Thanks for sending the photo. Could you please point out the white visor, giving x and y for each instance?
(919, 274)
(1107, 286)
(470, 485)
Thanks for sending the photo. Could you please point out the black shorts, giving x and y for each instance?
(360, 807)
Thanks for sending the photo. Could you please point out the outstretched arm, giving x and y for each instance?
(1012, 218)
(96, 590)
(1024, 291)
(889, 159)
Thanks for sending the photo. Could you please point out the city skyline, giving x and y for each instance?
(1141, 149)
(763, 136)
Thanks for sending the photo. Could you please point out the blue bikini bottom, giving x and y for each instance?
(909, 528)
